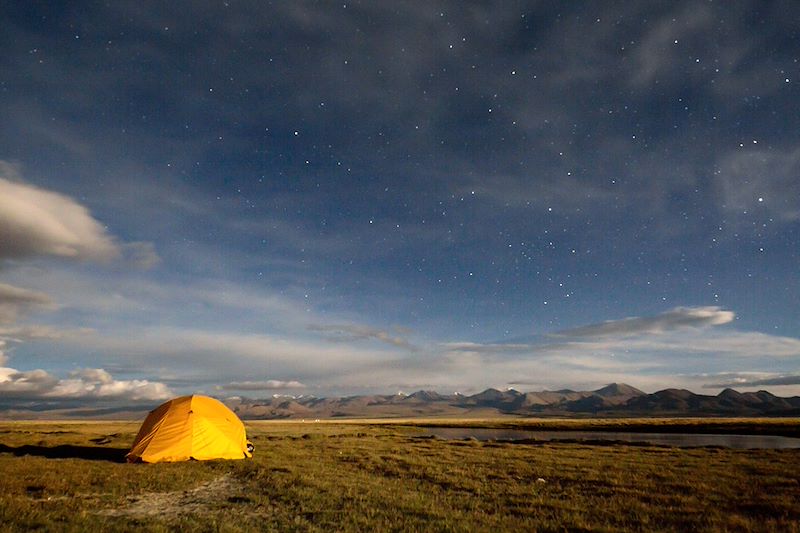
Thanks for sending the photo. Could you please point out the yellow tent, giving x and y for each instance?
(190, 427)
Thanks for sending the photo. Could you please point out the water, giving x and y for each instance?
(680, 440)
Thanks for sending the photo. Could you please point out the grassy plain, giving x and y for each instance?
(357, 476)
(787, 427)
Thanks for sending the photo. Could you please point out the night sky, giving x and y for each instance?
(251, 198)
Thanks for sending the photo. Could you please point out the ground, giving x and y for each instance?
(60, 476)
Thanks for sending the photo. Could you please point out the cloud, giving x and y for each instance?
(487, 348)
(641, 351)
(677, 318)
(16, 302)
(270, 384)
(40, 332)
(34, 222)
(18, 334)
(747, 381)
(213, 356)
(195, 357)
(755, 344)
(141, 255)
(349, 333)
(82, 384)
(188, 301)
(32, 382)
(753, 181)
(658, 55)
(38, 222)
(670, 345)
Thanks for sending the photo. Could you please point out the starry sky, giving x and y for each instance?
(256, 198)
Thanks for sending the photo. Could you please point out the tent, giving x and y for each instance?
(190, 427)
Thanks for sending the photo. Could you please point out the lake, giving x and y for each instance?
(680, 440)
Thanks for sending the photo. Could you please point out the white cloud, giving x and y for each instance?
(34, 221)
(270, 384)
(38, 222)
(32, 382)
(674, 319)
(82, 384)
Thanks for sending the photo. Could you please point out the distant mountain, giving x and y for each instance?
(613, 400)
(494, 398)
(424, 396)
(618, 390)
(727, 403)
(608, 397)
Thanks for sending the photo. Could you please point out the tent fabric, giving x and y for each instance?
(190, 427)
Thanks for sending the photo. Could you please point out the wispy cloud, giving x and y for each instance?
(640, 350)
(674, 319)
(747, 380)
(659, 52)
(212, 356)
(185, 301)
(141, 255)
(355, 332)
(730, 344)
(16, 302)
(17, 334)
(760, 182)
(488, 348)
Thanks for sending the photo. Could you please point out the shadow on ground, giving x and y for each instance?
(68, 451)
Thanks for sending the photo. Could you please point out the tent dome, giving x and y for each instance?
(190, 427)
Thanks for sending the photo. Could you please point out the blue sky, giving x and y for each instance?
(320, 198)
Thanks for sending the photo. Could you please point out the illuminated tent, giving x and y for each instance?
(190, 427)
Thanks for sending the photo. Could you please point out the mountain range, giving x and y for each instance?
(614, 400)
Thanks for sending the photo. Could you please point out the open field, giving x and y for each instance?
(356, 476)
(787, 427)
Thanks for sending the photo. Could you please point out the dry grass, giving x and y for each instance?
(356, 476)
(787, 427)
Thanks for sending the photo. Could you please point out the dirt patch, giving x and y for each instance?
(203, 499)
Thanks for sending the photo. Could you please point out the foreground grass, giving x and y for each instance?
(353, 477)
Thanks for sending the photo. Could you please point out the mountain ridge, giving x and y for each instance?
(612, 400)
(615, 400)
